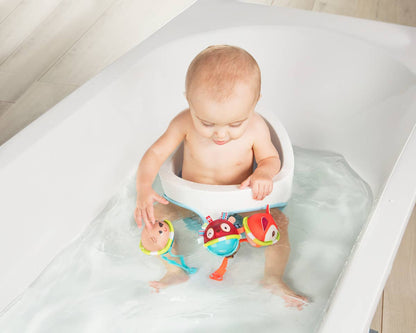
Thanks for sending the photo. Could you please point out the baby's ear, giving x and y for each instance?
(231, 219)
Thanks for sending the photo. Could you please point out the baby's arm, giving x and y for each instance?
(268, 162)
(149, 166)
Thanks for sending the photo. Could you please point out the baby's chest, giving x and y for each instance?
(227, 156)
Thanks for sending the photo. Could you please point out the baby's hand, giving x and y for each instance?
(261, 184)
(144, 206)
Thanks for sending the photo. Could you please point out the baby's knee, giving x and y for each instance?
(170, 212)
(282, 245)
(161, 212)
(283, 242)
(281, 219)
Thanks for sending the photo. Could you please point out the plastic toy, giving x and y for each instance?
(261, 229)
(223, 238)
(159, 241)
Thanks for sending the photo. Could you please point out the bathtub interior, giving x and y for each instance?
(100, 283)
(326, 89)
(331, 92)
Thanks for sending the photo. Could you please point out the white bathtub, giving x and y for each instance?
(337, 83)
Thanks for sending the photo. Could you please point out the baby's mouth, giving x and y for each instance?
(220, 142)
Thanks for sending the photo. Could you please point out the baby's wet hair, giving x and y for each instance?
(218, 68)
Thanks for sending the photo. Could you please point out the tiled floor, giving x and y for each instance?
(48, 48)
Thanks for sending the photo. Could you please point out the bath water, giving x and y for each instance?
(100, 282)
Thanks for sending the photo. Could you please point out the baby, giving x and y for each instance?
(222, 89)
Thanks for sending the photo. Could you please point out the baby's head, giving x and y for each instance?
(156, 238)
(222, 88)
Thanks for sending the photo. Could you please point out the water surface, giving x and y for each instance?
(100, 282)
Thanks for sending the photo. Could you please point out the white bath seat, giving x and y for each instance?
(212, 200)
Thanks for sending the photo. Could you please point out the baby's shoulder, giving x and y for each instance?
(259, 129)
(182, 119)
(258, 124)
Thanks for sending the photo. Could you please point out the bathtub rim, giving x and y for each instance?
(397, 199)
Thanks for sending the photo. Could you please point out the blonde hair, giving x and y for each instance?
(219, 68)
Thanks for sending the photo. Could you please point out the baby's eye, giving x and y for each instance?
(160, 232)
(160, 224)
(235, 124)
(208, 124)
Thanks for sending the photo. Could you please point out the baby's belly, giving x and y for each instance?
(206, 163)
(223, 174)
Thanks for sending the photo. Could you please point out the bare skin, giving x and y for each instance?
(174, 275)
(277, 257)
(221, 137)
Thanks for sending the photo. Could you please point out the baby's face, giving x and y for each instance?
(222, 121)
(156, 238)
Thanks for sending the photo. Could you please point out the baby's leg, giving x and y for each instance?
(171, 212)
(174, 275)
(277, 256)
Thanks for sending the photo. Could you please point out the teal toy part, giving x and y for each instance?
(280, 205)
(186, 268)
(224, 248)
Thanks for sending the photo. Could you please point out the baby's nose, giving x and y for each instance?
(220, 133)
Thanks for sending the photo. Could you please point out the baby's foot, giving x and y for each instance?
(171, 278)
(278, 287)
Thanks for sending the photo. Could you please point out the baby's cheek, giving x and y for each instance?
(205, 132)
(237, 133)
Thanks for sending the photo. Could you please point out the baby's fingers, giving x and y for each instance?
(261, 190)
(255, 190)
(267, 189)
(138, 217)
(145, 218)
(260, 194)
(245, 183)
(150, 214)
